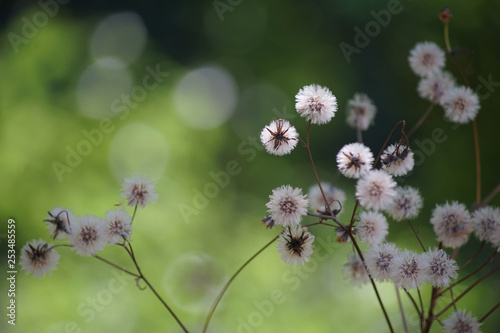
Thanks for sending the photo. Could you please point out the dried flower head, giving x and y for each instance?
(38, 258)
(486, 222)
(375, 190)
(372, 227)
(287, 205)
(354, 160)
(355, 271)
(139, 191)
(360, 112)
(406, 204)
(268, 222)
(410, 270)
(426, 58)
(452, 224)
(279, 138)
(380, 261)
(295, 245)
(59, 220)
(445, 14)
(89, 235)
(317, 104)
(461, 322)
(118, 226)
(334, 196)
(397, 160)
(441, 269)
(434, 86)
(460, 104)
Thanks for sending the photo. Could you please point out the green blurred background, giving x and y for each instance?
(224, 75)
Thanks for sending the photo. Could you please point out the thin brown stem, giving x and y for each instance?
(467, 290)
(401, 309)
(387, 140)
(473, 257)
(489, 312)
(359, 136)
(116, 266)
(489, 197)
(430, 315)
(420, 121)
(228, 283)
(416, 235)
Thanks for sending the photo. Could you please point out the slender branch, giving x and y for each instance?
(467, 290)
(401, 309)
(488, 197)
(412, 299)
(489, 312)
(228, 283)
(130, 250)
(447, 37)
(359, 136)
(420, 299)
(135, 211)
(416, 235)
(353, 217)
(116, 266)
(420, 121)
(430, 314)
(473, 257)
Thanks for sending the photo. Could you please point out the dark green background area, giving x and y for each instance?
(271, 50)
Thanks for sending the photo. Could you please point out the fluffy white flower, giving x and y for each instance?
(287, 205)
(372, 227)
(317, 104)
(426, 58)
(354, 160)
(434, 86)
(88, 236)
(279, 138)
(397, 160)
(59, 220)
(355, 271)
(38, 258)
(380, 261)
(333, 195)
(360, 112)
(118, 226)
(375, 190)
(410, 270)
(461, 322)
(406, 204)
(460, 104)
(139, 191)
(452, 224)
(295, 245)
(486, 222)
(441, 269)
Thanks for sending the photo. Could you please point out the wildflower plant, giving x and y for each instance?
(381, 201)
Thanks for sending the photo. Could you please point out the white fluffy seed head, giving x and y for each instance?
(441, 269)
(426, 58)
(461, 322)
(354, 160)
(486, 222)
(287, 205)
(355, 271)
(118, 226)
(452, 224)
(380, 261)
(88, 236)
(295, 245)
(460, 104)
(376, 190)
(406, 204)
(410, 270)
(279, 137)
(372, 227)
(333, 195)
(139, 191)
(360, 112)
(317, 104)
(38, 258)
(435, 86)
(397, 160)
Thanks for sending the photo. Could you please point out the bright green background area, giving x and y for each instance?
(271, 51)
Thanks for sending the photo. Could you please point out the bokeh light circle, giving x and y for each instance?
(138, 149)
(205, 97)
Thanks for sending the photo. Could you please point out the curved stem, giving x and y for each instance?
(447, 37)
(116, 266)
(478, 161)
(488, 197)
(420, 121)
(228, 283)
(135, 211)
(473, 257)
